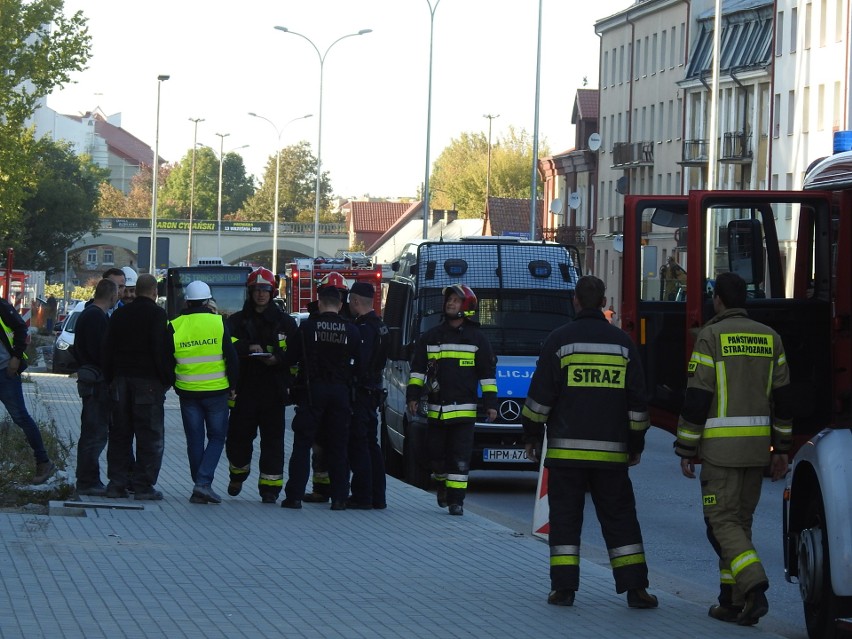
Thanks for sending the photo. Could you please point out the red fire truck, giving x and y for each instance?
(303, 274)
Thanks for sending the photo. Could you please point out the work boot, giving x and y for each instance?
(338, 505)
(315, 498)
(268, 499)
(234, 488)
(456, 509)
(114, 491)
(561, 597)
(755, 607)
(207, 494)
(43, 472)
(357, 505)
(641, 598)
(294, 504)
(151, 494)
(442, 495)
(723, 612)
(97, 490)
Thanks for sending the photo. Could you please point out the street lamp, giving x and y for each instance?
(534, 179)
(192, 190)
(321, 57)
(155, 166)
(222, 137)
(488, 173)
(432, 10)
(278, 132)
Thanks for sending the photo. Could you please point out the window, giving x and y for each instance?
(108, 256)
(806, 109)
(636, 61)
(92, 257)
(672, 57)
(671, 120)
(794, 29)
(808, 16)
(823, 17)
(645, 62)
(606, 66)
(791, 112)
(776, 114)
(654, 54)
(682, 46)
(821, 107)
(839, 21)
(620, 63)
(663, 49)
(779, 34)
(836, 113)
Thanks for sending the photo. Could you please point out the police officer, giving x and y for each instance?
(737, 404)
(261, 331)
(454, 357)
(589, 388)
(365, 454)
(326, 349)
(205, 377)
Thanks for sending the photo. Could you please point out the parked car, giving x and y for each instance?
(63, 358)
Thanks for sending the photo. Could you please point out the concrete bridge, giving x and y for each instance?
(249, 241)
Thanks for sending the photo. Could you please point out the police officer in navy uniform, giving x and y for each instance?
(326, 349)
(365, 454)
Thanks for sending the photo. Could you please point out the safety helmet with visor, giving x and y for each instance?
(261, 279)
(468, 300)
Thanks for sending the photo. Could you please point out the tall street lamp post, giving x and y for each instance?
(155, 170)
(222, 137)
(534, 178)
(321, 57)
(432, 10)
(192, 190)
(488, 172)
(278, 132)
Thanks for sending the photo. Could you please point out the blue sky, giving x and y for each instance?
(225, 59)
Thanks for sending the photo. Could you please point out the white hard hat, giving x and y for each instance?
(129, 276)
(197, 291)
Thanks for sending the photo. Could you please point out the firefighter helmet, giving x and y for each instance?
(334, 279)
(261, 277)
(467, 296)
(196, 291)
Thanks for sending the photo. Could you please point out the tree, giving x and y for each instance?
(137, 203)
(34, 61)
(296, 188)
(460, 172)
(59, 210)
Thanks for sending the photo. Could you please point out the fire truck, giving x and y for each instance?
(803, 289)
(303, 274)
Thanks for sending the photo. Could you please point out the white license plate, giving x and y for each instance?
(505, 455)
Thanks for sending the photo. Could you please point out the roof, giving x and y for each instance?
(585, 105)
(509, 216)
(119, 141)
(375, 217)
(414, 209)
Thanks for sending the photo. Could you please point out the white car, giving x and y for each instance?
(63, 358)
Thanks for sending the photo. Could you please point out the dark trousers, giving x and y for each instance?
(365, 454)
(137, 410)
(615, 505)
(327, 411)
(257, 411)
(94, 431)
(450, 446)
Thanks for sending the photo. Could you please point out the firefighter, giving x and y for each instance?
(450, 360)
(260, 332)
(588, 388)
(737, 403)
(365, 454)
(326, 349)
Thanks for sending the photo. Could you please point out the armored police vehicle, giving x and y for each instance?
(524, 289)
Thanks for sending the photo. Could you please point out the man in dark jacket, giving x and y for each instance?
(89, 334)
(450, 361)
(137, 366)
(261, 331)
(13, 362)
(589, 388)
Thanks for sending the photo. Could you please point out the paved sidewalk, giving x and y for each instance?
(247, 569)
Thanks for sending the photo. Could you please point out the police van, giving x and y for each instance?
(524, 291)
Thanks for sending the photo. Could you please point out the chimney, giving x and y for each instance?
(450, 215)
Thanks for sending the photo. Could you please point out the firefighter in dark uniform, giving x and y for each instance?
(589, 389)
(365, 454)
(737, 403)
(326, 349)
(261, 332)
(449, 361)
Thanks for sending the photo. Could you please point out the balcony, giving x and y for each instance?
(736, 148)
(632, 154)
(570, 235)
(695, 152)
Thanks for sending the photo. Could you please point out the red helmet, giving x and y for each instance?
(261, 277)
(468, 298)
(334, 279)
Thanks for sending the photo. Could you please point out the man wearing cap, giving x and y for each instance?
(206, 364)
(261, 331)
(129, 285)
(365, 454)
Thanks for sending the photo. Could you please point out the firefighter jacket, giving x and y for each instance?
(448, 365)
(205, 358)
(271, 330)
(589, 389)
(13, 335)
(737, 398)
(374, 350)
(327, 349)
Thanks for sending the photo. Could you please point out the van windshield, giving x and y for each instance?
(515, 322)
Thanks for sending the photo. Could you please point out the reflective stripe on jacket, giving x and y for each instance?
(198, 352)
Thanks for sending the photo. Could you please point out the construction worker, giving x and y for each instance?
(589, 389)
(205, 378)
(261, 332)
(326, 349)
(737, 403)
(129, 284)
(450, 360)
(13, 358)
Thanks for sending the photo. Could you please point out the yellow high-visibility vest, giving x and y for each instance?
(198, 352)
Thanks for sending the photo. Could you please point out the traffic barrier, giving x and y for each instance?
(541, 512)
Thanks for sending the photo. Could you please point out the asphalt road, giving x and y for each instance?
(680, 558)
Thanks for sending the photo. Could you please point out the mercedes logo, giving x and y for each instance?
(510, 410)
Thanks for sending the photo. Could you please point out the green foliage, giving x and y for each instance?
(59, 207)
(296, 188)
(57, 290)
(460, 173)
(34, 60)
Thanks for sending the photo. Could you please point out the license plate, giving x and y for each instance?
(505, 455)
